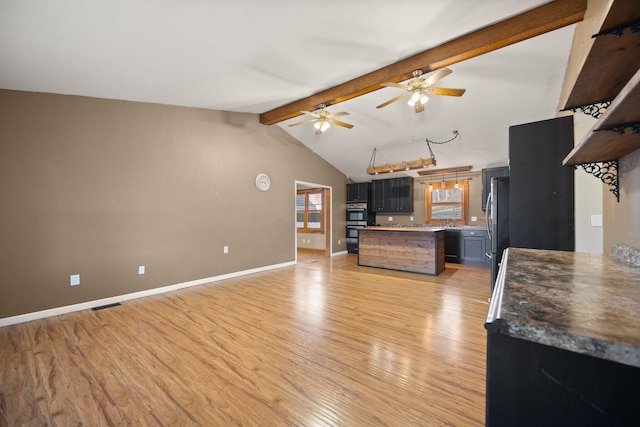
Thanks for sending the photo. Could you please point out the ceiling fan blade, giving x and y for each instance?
(303, 122)
(392, 84)
(397, 98)
(339, 123)
(419, 107)
(445, 91)
(441, 73)
(341, 113)
(310, 113)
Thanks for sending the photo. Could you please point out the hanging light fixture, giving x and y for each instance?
(443, 185)
(457, 180)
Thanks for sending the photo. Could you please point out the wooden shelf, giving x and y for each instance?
(612, 60)
(602, 145)
(611, 72)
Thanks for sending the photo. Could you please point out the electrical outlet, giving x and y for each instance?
(596, 220)
(474, 219)
(74, 280)
(390, 218)
(141, 269)
(338, 241)
(411, 218)
(225, 249)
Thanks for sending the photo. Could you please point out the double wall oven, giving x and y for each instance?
(358, 216)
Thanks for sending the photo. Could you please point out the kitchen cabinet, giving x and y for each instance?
(487, 174)
(358, 192)
(474, 245)
(541, 190)
(452, 245)
(392, 195)
(467, 247)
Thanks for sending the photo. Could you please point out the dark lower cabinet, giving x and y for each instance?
(452, 246)
(531, 384)
(473, 247)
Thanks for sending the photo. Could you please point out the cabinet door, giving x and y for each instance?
(452, 245)
(352, 193)
(402, 195)
(358, 192)
(378, 195)
(473, 247)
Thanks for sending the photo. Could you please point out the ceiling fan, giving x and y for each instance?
(418, 88)
(323, 119)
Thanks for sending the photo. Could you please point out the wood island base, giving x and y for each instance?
(414, 249)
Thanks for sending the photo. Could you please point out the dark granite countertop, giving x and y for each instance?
(579, 302)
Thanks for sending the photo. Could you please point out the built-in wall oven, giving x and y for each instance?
(357, 217)
(357, 214)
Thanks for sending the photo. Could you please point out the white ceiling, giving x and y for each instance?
(255, 55)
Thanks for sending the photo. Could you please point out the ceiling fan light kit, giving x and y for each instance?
(323, 119)
(418, 87)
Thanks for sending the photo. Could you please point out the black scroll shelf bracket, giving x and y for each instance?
(607, 172)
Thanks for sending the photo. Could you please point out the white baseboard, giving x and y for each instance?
(6, 321)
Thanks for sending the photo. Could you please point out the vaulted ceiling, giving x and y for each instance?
(257, 56)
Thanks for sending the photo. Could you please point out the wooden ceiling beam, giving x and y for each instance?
(542, 19)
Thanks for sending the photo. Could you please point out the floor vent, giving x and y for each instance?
(102, 307)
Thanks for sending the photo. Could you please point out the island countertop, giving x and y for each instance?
(580, 302)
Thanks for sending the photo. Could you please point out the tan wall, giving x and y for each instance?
(98, 187)
(621, 220)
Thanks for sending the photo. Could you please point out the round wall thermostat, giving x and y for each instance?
(263, 182)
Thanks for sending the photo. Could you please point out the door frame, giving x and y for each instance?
(328, 231)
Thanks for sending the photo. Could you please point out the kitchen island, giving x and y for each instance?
(415, 249)
(563, 341)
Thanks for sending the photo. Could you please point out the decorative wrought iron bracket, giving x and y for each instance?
(594, 110)
(607, 172)
(634, 26)
(620, 129)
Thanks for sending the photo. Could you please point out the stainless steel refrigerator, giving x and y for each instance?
(498, 222)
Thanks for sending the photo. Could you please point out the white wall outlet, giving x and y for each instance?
(411, 218)
(474, 219)
(390, 218)
(596, 220)
(225, 249)
(74, 280)
(141, 269)
(338, 241)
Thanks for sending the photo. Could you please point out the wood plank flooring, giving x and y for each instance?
(321, 343)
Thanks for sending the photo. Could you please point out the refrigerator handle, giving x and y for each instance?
(488, 214)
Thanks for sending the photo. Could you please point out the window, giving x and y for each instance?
(310, 211)
(447, 205)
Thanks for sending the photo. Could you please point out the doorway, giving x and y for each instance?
(314, 241)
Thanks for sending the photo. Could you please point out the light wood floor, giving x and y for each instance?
(324, 342)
